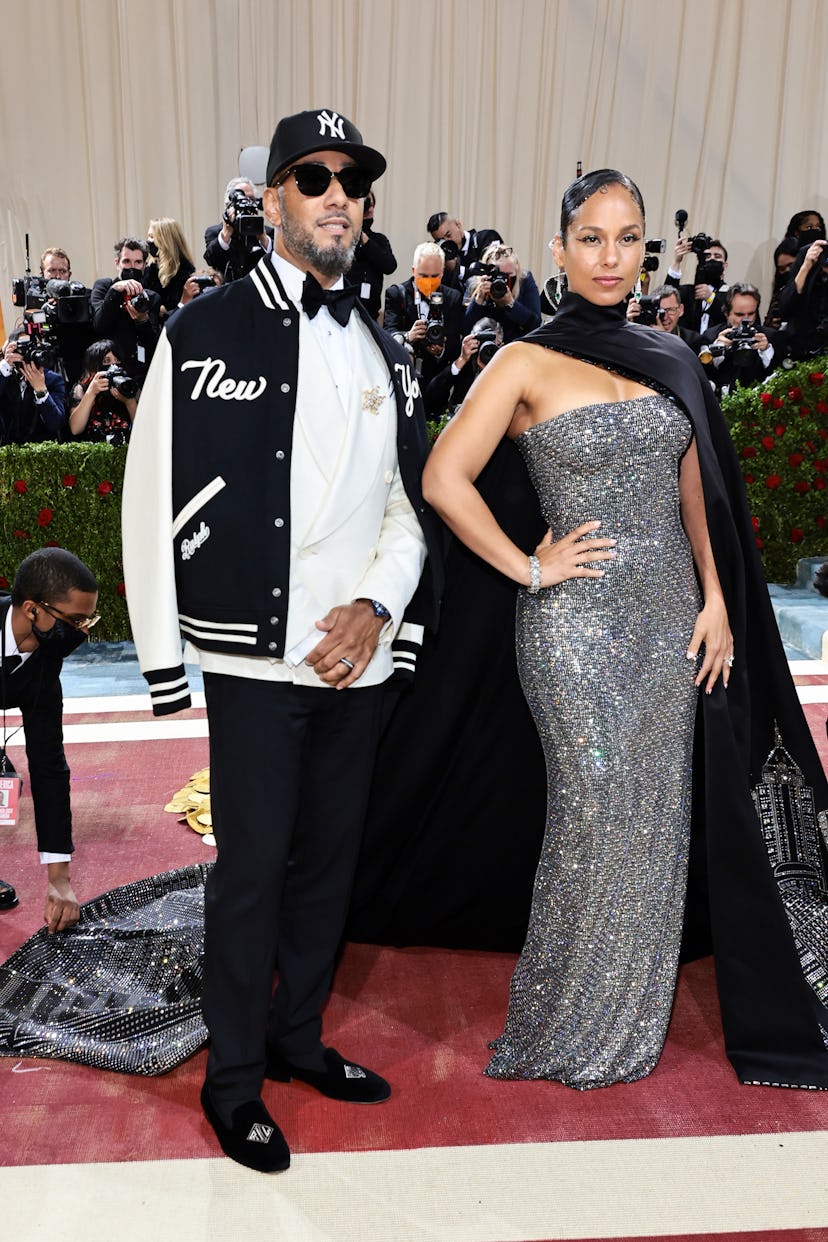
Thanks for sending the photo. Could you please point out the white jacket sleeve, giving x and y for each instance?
(146, 520)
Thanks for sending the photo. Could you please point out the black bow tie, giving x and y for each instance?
(340, 302)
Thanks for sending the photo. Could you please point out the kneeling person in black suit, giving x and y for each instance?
(49, 613)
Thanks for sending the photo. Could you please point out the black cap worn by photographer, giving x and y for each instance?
(321, 129)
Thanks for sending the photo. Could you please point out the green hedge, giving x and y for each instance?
(67, 495)
(780, 431)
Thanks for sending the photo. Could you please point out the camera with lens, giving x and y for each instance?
(487, 347)
(203, 282)
(449, 248)
(69, 302)
(435, 333)
(500, 281)
(710, 272)
(139, 302)
(653, 246)
(120, 381)
(649, 311)
(35, 349)
(248, 219)
(742, 338)
(29, 292)
(700, 242)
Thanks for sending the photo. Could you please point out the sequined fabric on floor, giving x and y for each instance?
(122, 989)
(604, 669)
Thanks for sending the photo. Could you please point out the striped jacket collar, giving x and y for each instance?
(268, 286)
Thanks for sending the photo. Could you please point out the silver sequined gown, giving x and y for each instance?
(604, 669)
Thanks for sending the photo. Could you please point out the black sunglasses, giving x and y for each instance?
(312, 180)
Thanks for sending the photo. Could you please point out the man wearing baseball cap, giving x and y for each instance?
(273, 516)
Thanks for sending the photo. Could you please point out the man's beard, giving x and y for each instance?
(334, 260)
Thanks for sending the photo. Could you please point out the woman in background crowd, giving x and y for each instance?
(104, 401)
(169, 264)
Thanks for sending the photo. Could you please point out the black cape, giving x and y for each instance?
(443, 865)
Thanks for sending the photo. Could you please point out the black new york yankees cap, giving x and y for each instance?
(321, 129)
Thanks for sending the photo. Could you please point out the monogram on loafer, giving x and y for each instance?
(252, 1139)
(340, 1080)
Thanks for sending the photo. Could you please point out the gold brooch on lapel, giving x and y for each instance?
(372, 399)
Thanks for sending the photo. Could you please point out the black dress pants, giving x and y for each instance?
(290, 772)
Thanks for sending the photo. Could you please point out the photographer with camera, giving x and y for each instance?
(124, 311)
(703, 301)
(235, 246)
(499, 289)
(663, 309)
(803, 301)
(460, 247)
(68, 311)
(373, 260)
(449, 387)
(743, 352)
(196, 284)
(424, 314)
(103, 403)
(32, 394)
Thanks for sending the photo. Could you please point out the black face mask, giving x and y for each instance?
(131, 273)
(53, 638)
(807, 237)
(152, 247)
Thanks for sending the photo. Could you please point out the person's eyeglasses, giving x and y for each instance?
(84, 623)
(312, 180)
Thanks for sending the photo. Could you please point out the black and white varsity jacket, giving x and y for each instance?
(211, 447)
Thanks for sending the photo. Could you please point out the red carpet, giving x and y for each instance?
(421, 1016)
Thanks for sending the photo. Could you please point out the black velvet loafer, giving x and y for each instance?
(340, 1080)
(8, 897)
(253, 1139)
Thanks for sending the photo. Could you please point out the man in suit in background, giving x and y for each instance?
(412, 315)
(462, 247)
(49, 614)
(124, 311)
(288, 550)
(230, 248)
(32, 397)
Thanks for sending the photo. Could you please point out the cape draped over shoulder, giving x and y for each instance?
(776, 1029)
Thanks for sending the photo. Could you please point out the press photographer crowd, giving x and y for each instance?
(72, 367)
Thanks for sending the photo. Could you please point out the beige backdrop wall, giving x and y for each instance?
(114, 111)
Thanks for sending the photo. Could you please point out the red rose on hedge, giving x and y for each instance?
(795, 394)
(777, 403)
(104, 488)
(768, 442)
(820, 521)
(772, 481)
(51, 544)
(755, 522)
(121, 589)
(44, 517)
(748, 478)
(797, 535)
(4, 582)
(816, 377)
(759, 543)
(801, 486)
(749, 451)
(21, 534)
(780, 429)
(796, 459)
(69, 480)
(822, 407)
(819, 485)
(766, 398)
(20, 487)
(822, 433)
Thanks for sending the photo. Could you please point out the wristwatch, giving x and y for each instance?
(379, 609)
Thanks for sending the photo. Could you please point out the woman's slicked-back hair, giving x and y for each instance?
(591, 183)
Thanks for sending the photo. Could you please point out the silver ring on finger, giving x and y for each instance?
(344, 660)
(729, 661)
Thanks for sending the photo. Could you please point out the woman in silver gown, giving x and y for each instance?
(622, 623)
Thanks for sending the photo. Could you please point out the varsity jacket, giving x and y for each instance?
(209, 466)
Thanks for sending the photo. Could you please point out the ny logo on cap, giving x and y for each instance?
(333, 122)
